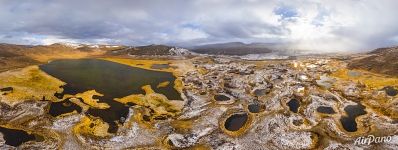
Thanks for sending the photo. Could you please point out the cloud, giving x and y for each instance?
(321, 26)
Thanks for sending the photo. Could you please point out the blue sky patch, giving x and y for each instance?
(286, 12)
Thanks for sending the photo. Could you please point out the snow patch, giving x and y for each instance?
(263, 56)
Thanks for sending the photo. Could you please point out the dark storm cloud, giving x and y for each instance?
(306, 24)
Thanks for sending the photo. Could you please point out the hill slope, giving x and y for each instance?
(381, 60)
(17, 56)
(153, 50)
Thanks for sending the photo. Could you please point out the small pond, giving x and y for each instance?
(390, 91)
(353, 111)
(160, 66)
(221, 97)
(254, 108)
(325, 110)
(236, 121)
(260, 92)
(16, 137)
(352, 73)
(294, 105)
(6, 89)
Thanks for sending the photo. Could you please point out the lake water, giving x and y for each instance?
(111, 79)
(66, 106)
(236, 121)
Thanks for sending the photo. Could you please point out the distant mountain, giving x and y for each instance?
(233, 48)
(153, 50)
(11, 56)
(381, 60)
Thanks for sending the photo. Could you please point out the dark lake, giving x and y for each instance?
(111, 79)
(15, 137)
(353, 111)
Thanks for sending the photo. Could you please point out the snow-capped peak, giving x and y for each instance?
(179, 51)
(72, 45)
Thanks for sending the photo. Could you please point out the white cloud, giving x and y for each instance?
(190, 34)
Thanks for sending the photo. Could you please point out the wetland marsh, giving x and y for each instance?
(110, 80)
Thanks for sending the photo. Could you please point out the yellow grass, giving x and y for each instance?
(163, 84)
(182, 125)
(144, 64)
(29, 83)
(371, 80)
(157, 102)
(91, 126)
(87, 98)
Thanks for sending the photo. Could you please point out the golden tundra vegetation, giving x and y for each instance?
(87, 98)
(28, 83)
(157, 102)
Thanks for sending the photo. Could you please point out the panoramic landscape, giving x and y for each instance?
(199, 75)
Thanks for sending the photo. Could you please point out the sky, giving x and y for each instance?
(317, 25)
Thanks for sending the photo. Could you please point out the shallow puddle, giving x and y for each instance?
(325, 81)
(160, 66)
(390, 91)
(259, 92)
(294, 105)
(254, 108)
(236, 121)
(15, 137)
(6, 89)
(325, 110)
(221, 97)
(111, 79)
(353, 111)
(353, 73)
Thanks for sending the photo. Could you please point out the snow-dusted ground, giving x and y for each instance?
(265, 56)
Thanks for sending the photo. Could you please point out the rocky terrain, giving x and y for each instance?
(309, 102)
(234, 48)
